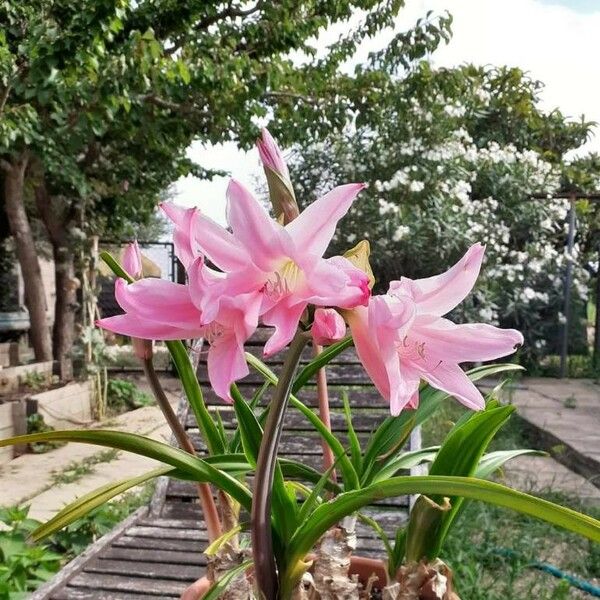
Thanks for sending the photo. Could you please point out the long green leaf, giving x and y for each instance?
(284, 509)
(349, 473)
(208, 428)
(325, 357)
(195, 467)
(491, 462)
(355, 448)
(115, 267)
(407, 460)
(88, 502)
(328, 514)
(215, 591)
(394, 431)
(459, 455)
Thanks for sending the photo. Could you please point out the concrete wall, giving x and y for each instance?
(67, 407)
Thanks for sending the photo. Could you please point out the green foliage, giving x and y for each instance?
(23, 567)
(36, 424)
(123, 395)
(452, 157)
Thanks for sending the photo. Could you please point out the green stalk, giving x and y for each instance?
(265, 569)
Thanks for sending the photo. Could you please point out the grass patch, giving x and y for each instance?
(76, 470)
(491, 549)
(25, 566)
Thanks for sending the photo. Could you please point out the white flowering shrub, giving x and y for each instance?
(452, 158)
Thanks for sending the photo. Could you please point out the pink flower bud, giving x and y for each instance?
(270, 154)
(132, 260)
(328, 326)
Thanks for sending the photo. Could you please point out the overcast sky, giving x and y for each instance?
(557, 41)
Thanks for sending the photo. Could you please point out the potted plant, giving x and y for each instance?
(301, 529)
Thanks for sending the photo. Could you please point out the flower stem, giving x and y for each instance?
(323, 397)
(262, 541)
(209, 508)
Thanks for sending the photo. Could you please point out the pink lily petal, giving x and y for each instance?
(218, 244)
(406, 392)
(313, 229)
(261, 236)
(368, 350)
(133, 326)
(336, 282)
(440, 294)
(471, 342)
(451, 379)
(158, 301)
(271, 155)
(182, 236)
(328, 326)
(284, 318)
(226, 363)
(132, 260)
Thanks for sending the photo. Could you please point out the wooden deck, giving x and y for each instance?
(157, 551)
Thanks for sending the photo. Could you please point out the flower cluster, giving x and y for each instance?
(269, 272)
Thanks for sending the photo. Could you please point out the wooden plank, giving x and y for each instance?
(83, 594)
(129, 583)
(77, 564)
(336, 375)
(141, 543)
(358, 397)
(152, 570)
(153, 555)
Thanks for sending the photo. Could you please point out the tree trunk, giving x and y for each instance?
(596, 355)
(63, 333)
(55, 215)
(35, 298)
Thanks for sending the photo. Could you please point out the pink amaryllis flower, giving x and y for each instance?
(402, 337)
(284, 264)
(156, 309)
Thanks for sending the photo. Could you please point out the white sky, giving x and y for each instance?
(557, 41)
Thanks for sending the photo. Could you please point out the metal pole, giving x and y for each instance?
(568, 284)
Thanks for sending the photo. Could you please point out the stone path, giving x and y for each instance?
(32, 478)
(562, 416)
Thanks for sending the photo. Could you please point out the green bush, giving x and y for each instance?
(123, 395)
(25, 566)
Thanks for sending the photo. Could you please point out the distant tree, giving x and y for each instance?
(452, 157)
(100, 100)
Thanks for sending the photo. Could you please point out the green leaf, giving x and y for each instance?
(184, 72)
(84, 504)
(284, 508)
(115, 267)
(329, 513)
(393, 433)
(459, 455)
(355, 449)
(315, 494)
(407, 460)
(215, 546)
(325, 357)
(491, 462)
(193, 466)
(214, 442)
(215, 591)
(251, 432)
